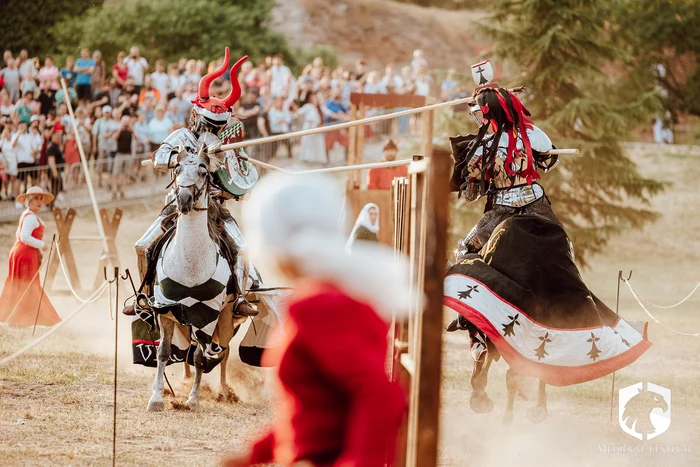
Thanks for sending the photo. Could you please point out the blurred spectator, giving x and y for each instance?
(48, 75)
(22, 144)
(7, 56)
(55, 161)
(123, 137)
(149, 97)
(176, 81)
(419, 62)
(68, 72)
(119, 70)
(279, 76)
(159, 128)
(27, 69)
(141, 135)
(392, 82)
(360, 70)
(138, 66)
(448, 88)
(423, 83)
(11, 77)
(313, 148)
(334, 111)
(374, 84)
(249, 112)
(9, 160)
(84, 68)
(174, 115)
(22, 110)
(183, 105)
(103, 144)
(381, 178)
(98, 73)
(191, 75)
(280, 121)
(160, 79)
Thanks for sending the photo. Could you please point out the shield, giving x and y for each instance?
(482, 73)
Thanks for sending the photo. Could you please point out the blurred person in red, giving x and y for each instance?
(380, 178)
(336, 404)
(21, 301)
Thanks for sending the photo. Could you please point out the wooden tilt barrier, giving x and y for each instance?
(110, 257)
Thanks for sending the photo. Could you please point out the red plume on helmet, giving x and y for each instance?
(214, 104)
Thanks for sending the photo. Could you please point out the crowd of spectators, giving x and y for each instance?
(129, 109)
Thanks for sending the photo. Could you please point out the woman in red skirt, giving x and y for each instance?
(335, 404)
(19, 302)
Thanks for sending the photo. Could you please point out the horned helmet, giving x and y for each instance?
(211, 114)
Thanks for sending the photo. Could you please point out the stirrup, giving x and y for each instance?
(242, 307)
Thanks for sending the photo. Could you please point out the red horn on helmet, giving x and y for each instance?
(208, 78)
(235, 85)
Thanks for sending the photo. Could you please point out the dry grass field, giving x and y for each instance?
(56, 400)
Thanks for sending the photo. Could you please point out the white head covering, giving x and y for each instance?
(363, 220)
(297, 218)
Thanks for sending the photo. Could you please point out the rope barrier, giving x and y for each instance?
(674, 305)
(97, 294)
(66, 275)
(636, 296)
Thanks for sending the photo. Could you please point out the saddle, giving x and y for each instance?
(226, 247)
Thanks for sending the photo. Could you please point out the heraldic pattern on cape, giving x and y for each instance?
(525, 294)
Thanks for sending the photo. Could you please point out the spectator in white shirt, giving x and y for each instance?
(137, 66)
(423, 83)
(418, 61)
(374, 84)
(8, 159)
(280, 76)
(22, 144)
(160, 79)
(27, 69)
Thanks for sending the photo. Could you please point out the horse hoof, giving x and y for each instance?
(480, 402)
(192, 403)
(507, 418)
(537, 414)
(156, 406)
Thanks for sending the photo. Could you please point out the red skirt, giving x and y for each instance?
(22, 276)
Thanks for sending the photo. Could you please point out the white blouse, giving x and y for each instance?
(31, 222)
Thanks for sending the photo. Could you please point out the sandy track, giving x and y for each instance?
(55, 403)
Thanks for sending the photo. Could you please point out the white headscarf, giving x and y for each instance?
(364, 220)
(297, 218)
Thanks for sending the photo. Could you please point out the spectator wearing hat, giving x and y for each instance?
(84, 68)
(381, 178)
(23, 302)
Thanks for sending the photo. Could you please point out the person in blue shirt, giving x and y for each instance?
(84, 67)
(68, 73)
(334, 110)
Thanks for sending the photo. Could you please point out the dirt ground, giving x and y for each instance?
(56, 400)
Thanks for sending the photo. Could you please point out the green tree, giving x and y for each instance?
(27, 25)
(665, 32)
(170, 29)
(563, 54)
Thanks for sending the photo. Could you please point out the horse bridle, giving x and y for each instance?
(197, 191)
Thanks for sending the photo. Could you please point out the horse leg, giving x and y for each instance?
(156, 404)
(479, 401)
(512, 391)
(539, 413)
(187, 373)
(193, 400)
(225, 330)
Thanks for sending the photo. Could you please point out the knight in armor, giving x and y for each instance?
(501, 165)
(210, 120)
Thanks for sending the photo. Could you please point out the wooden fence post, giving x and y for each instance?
(109, 257)
(63, 226)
